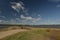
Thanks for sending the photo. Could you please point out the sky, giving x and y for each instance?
(30, 12)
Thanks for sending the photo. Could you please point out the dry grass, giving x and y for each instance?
(15, 27)
(36, 34)
(53, 33)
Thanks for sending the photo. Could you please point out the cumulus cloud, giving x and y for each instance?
(26, 18)
(21, 20)
(30, 18)
(54, 0)
(17, 6)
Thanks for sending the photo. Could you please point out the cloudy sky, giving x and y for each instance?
(30, 12)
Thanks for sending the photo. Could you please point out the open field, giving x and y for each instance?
(10, 32)
(36, 34)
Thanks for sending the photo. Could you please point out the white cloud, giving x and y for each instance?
(23, 20)
(0, 21)
(54, 0)
(26, 18)
(17, 6)
(36, 19)
(30, 18)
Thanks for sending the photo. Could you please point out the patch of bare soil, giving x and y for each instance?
(10, 32)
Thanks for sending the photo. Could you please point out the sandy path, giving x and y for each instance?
(10, 32)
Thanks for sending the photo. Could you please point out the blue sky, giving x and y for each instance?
(37, 12)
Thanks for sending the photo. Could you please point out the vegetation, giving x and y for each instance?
(36, 34)
(13, 28)
(30, 35)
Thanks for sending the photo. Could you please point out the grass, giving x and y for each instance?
(34, 34)
(29, 35)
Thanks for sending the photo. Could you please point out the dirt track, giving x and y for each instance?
(10, 32)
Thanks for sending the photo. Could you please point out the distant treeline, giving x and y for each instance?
(35, 26)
